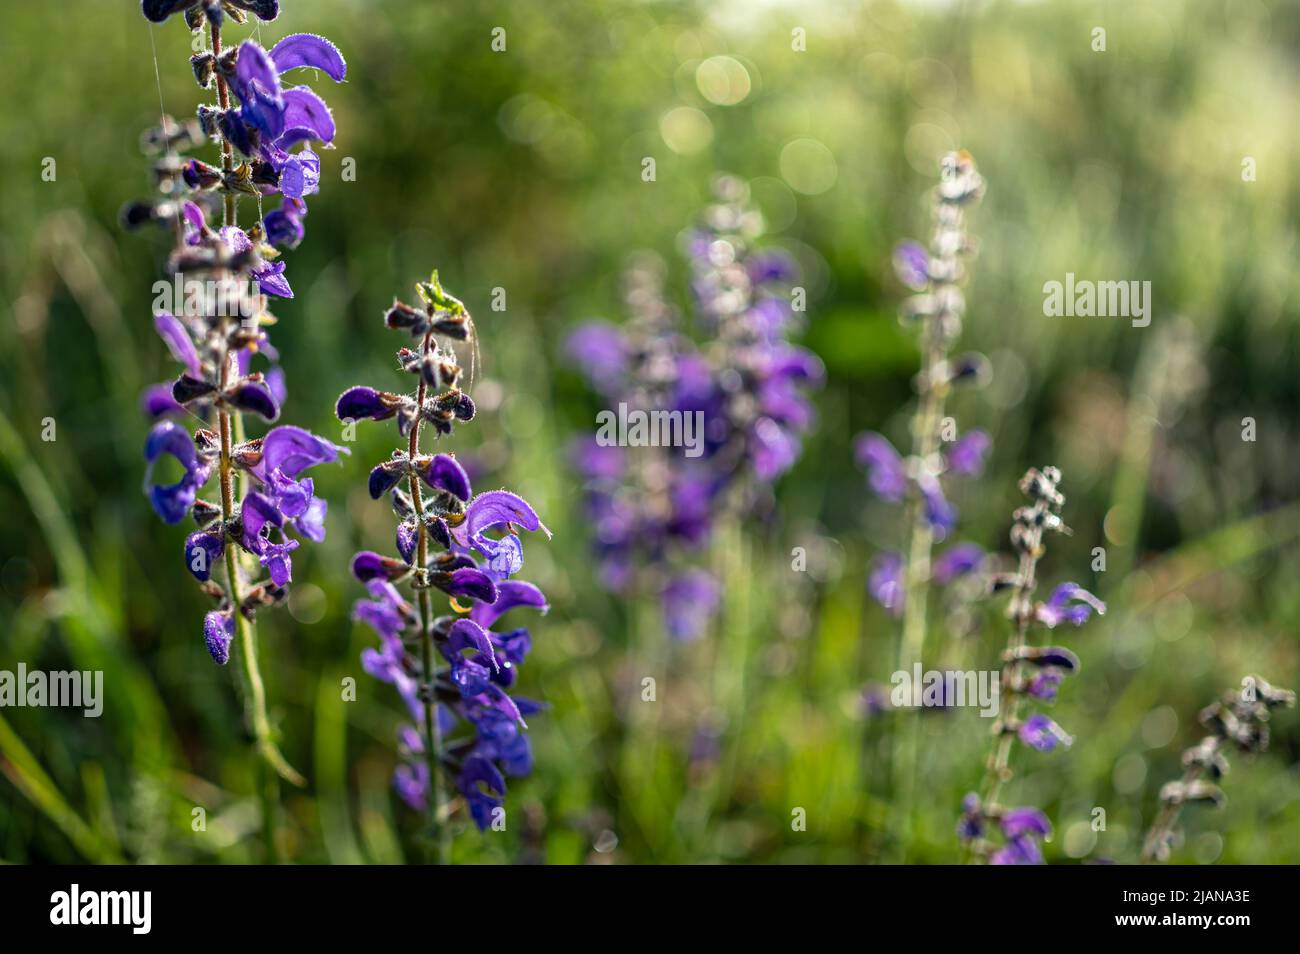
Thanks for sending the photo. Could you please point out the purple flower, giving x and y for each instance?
(1041, 733)
(1023, 828)
(887, 474)
(1018, 851)
(218, 631)
(309, 50)
(411, 781)
(600, 350)
(689, 601)
(178, 341)
(202, 551)
(747, 387)
(157, 401)
(1045, 684)
(489, 511)
(1069, 603)
(444, 472)
(286, 452)
(284, 226)
(1019, 822)
(939, 513)
(971, 824)
(912, 265)
(958, 560)
(260, 518)
(966, 454)
(477, 548)
(885, 584)
(172, 502)
(483, 787)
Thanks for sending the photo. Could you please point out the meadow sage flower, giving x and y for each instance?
(1030, 674)
(454, 672)
(265, 505)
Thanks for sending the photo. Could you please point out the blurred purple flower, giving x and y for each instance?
(1069, 603)
(887, 474)
(958, 560)
(1041, 733)
(885, 584)
(912, 265)
(966, 454)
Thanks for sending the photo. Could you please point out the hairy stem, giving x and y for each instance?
(432, 735)
(998, 771)
(223, 100)
(255, 696)
(1168, 817)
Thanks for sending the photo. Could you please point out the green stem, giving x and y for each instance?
(260, 723)
(916, 587)
(432, 735)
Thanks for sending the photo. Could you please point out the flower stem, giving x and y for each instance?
(998, 770)
(255, 700)
(223, 100)
(1168, 817)
(916, 585)
(432, 735)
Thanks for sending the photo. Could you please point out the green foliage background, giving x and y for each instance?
(521, 169)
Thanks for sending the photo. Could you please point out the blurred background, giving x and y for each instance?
(521, 170)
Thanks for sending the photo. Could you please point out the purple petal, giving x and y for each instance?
(358, 403)
(368, 565)
(469, 582)
(306, 115)
(939, 513)
(218, 631)
(178, 341)
(957, 560)
(202, 551)
(408, 539)
(445, 473)
(383, 479)
(312, 523)
(966, 454)
(291, 450)
(885, 584)
(300, 176)
(310, 50)
(912, 265)
(256, 513)
(271, 280)
(1018, 822)
(157, 401)
(1058, 609)
(498, 508)
(256, 397)
(1041, 733)
(888, 477)
(510, 594)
